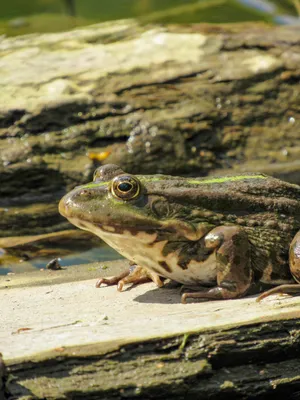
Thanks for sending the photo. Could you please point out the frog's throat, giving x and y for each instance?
(179, 228)
(147, 249)
(116, 237)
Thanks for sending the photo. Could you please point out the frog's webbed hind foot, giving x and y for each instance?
(215, 293)
(135, 274)
(293, 288)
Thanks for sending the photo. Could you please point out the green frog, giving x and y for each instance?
(218, 235)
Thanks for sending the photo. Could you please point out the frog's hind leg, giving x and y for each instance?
(234, 274)
(294, 258)
(135, 274)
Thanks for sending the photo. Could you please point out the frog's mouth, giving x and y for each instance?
(106, 223)
(101, 229)
(133, 225)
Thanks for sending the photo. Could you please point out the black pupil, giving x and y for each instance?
(125, 187)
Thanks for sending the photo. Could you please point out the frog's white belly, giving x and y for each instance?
(142, 250)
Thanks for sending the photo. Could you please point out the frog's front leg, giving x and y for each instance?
(135, 274)
(294, 261)
(234, 274)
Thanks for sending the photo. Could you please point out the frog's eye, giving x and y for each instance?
(125, 187)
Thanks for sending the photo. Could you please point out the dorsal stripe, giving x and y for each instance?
(191, 181)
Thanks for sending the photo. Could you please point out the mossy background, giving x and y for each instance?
(20, 16)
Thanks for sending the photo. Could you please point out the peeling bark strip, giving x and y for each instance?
(259, 361)
(197, 100)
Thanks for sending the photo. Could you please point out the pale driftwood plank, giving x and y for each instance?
(76, 313)
(98, 343)
(75, 329)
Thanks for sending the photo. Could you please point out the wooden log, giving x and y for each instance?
(191, 100)
(65, 339)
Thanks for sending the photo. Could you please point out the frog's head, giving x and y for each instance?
(118, 205)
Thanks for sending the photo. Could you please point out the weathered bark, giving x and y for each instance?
(197, 100)
(255, 362)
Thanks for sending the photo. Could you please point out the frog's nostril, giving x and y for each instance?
(85, 193)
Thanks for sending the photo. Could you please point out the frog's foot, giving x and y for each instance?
(135, 274)
(234, 275)
(293, 288)
(215, 293)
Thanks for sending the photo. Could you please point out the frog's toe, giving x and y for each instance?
(113, 280)
(138, 275)
(135, 275)
(282, 289)
(155, 278)
(214, 293)
(199, 295)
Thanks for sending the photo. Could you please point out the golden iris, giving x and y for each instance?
(125, 187)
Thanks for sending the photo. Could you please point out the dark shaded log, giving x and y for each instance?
(192, 100)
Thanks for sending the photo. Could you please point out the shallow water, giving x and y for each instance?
(101, 254)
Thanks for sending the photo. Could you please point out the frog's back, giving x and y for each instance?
(242, 194)
(267, 208)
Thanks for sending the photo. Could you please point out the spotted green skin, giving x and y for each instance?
(226, 232)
